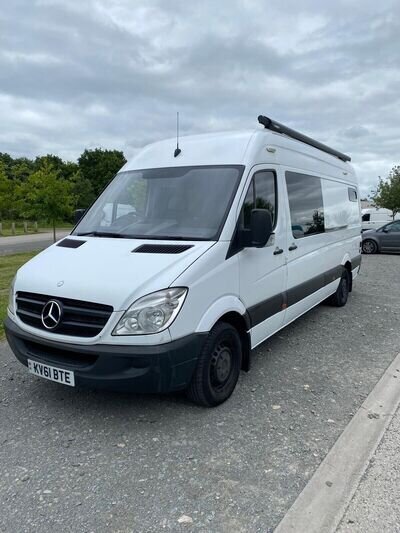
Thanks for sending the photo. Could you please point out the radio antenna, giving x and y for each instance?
(177, 149)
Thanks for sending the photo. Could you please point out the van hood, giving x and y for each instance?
(106, 270)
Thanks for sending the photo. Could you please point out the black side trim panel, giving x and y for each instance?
(295, 294)
(263, 310)
(70, 243)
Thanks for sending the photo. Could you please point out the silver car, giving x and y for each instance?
(384, 239)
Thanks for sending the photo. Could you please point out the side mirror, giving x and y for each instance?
(261, 227)
(78, 215)
(385, 230)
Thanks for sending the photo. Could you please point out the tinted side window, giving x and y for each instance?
(394, 227)
(306, 204)
(366, 217)
(261, 194)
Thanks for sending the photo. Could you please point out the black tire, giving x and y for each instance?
(218, 367)
(339, 299)
(369, 247)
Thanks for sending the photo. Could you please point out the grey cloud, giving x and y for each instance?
(355, 132)
(112, 73)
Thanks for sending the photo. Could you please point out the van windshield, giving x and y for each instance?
(179, 203)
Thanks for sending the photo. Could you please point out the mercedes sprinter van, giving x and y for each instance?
(188, 260)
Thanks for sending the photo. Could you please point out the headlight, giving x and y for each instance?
(11, 300)
(152, 313)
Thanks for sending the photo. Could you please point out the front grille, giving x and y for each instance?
(59, 356)
(80, 319)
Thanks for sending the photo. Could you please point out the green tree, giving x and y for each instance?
(45, 195)
(82, 190)
(100, 166)
(7, 193)
(21, 169)
(7, 161)
(387, 194)
(66, 169)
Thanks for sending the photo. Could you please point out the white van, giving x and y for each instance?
(374, 218)
(230, 238)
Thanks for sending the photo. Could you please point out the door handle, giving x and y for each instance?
(278, 251)
(292, 247)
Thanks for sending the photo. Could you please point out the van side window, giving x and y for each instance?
(366, 217)
(261, 194)
(352, 194)
(306, 204)
(340, 211)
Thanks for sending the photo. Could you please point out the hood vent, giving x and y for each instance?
(70, 243)
(162, 248)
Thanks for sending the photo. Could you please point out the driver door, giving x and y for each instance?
(262, 271)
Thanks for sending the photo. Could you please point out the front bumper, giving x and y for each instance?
(159, 368)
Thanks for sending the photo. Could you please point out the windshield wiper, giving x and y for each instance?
(170, 238)
(142, 237)
(102, 234)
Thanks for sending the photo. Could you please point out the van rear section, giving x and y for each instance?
(187, 261)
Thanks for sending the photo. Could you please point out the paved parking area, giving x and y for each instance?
(88, 461)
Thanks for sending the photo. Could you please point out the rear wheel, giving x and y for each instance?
(369, 247)
(218, 367)
(339, 299)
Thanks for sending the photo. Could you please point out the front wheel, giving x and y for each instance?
(369, 247)
(218, 367)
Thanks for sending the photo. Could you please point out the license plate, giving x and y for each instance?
(66, 377)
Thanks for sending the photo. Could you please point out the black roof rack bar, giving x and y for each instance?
(280, 128)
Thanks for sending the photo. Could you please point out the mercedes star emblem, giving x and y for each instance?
(51, 314)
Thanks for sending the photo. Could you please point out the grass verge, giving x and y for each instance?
(9, 264)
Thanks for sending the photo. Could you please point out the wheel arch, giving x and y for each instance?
(349, 269)
(241, 324)
(231, 310)
(347, 265)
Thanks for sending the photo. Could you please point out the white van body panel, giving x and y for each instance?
(106, 270)
(213, 282)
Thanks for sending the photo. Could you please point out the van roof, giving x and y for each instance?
(249, 148)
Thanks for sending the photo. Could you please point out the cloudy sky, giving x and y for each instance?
(112, 73)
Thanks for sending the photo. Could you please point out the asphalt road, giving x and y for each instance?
(27, 243)
(74, 460)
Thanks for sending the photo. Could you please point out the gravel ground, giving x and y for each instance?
(376, 503)
(74, 460)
